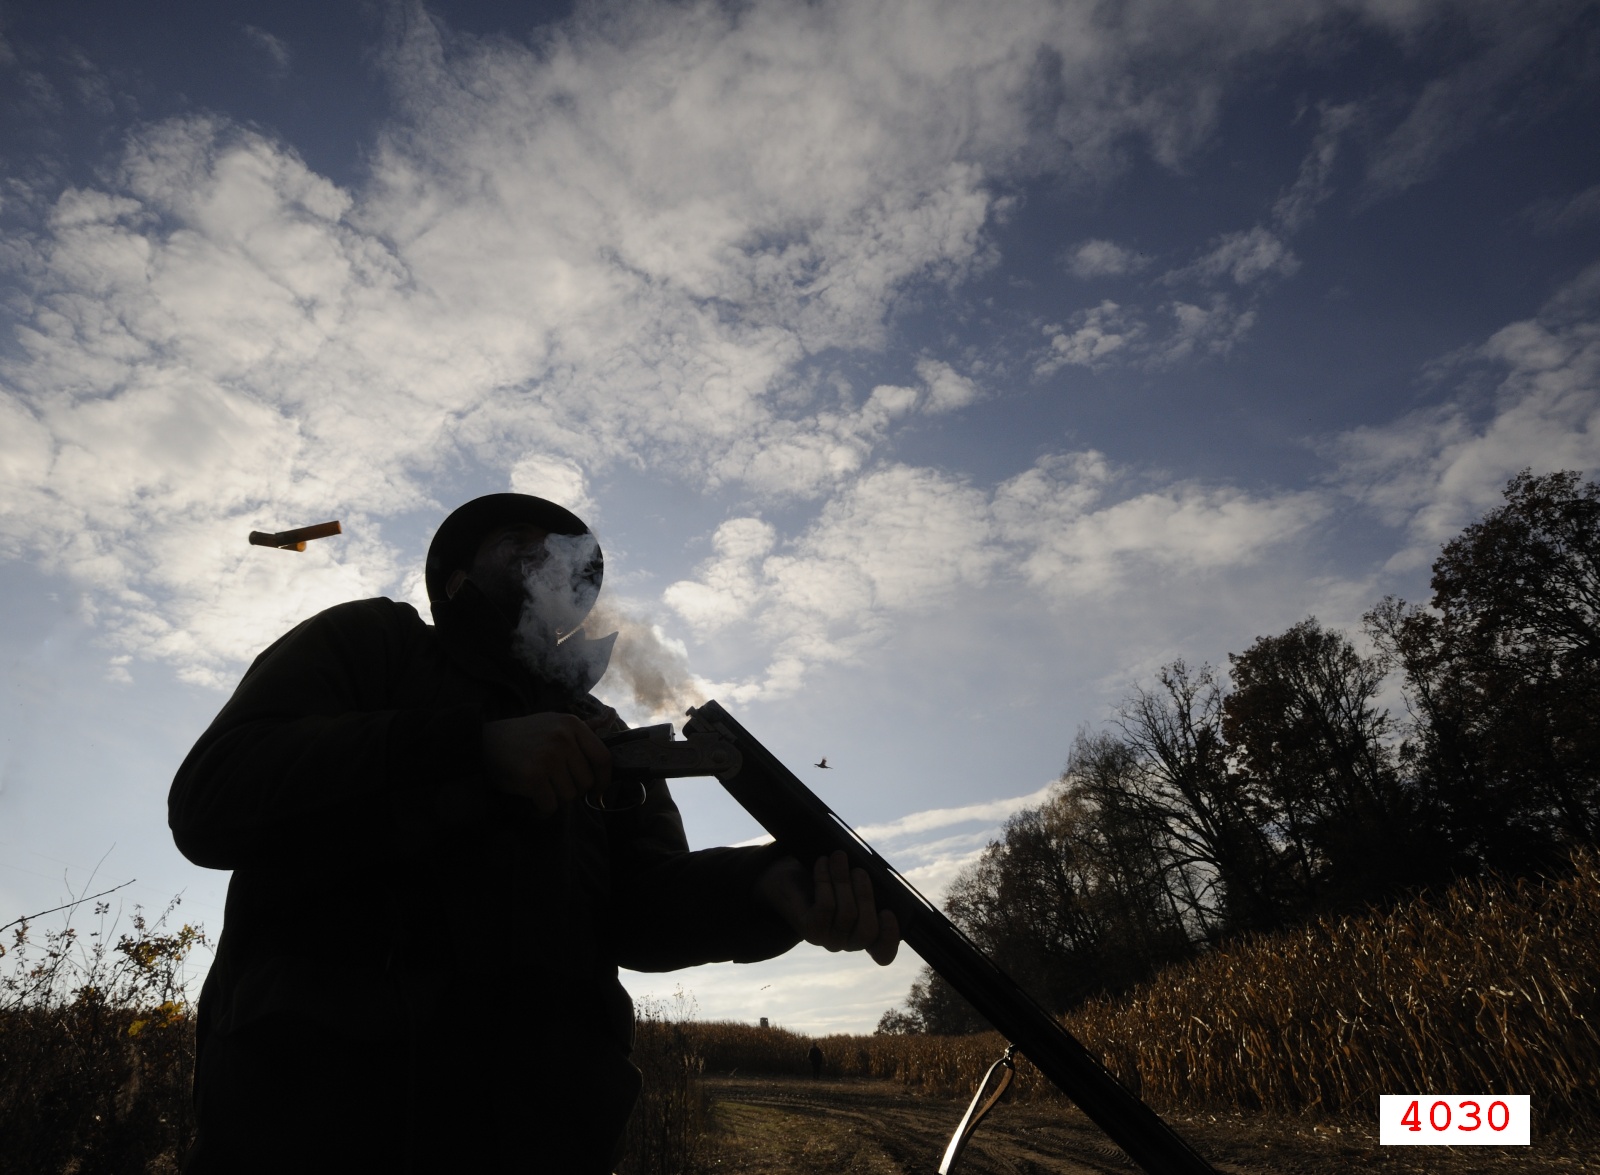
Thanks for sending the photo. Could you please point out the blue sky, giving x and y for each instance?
(930, 372)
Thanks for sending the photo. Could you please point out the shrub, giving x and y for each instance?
(667, 1134)
(96, 1049)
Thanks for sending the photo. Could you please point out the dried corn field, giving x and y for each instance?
(1490, 988)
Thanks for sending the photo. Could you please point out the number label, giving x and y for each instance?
(1454, 1119)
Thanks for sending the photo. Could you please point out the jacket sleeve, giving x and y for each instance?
(311, 755)
(672, 908)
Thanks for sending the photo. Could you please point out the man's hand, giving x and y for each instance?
(835, 910)
(551, 759)
(604, 720)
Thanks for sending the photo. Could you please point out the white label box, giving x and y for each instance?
(1455, 1119)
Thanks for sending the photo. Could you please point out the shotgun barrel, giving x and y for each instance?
(808, 828)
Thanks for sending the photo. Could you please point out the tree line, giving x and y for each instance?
(1215, 805)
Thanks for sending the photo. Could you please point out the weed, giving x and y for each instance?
(96, 1048)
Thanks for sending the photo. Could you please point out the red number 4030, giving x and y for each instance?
(1474, 1117)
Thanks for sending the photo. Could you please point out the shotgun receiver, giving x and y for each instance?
(717, 745)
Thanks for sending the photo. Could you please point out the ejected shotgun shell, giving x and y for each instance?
(294, 540)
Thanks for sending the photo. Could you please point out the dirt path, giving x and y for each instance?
(799, 1127)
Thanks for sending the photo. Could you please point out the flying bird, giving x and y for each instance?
(823, 763)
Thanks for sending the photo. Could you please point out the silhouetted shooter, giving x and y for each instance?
(418, 963)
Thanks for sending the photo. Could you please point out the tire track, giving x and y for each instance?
(911, 1134)
(792, 1126)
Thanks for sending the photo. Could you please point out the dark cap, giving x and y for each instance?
(457, 539)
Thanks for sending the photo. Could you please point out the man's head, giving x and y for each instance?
(506, 558)
(513, 547)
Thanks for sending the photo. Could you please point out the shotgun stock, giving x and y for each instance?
(808, 828)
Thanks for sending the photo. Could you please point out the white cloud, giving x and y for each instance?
(931, 865)
(1245, 257)
(889, 402)
(899, 540)
(1208, 330)
(1508, 44)
(1563, 215)
(1110, 334)
(918, 823)
(1074, 543)
(728, 586)
(1097, 335)
(557, 479)
(905, 541)
(909, 535)
(274, 48)
(226, 335)
(1100, 258)
(1295, 208)
(1436, 469)
(947, 388)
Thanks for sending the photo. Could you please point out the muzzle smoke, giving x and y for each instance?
(560, 586)
(656, 674)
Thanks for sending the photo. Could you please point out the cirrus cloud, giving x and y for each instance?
(1435, 469)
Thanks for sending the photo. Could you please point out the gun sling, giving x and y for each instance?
(978, 1108)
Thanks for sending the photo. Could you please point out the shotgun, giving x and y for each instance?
(715, 744)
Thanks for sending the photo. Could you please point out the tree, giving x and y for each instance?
(1174, 784)
(936, 1008)
(1303, 726)
(898, 1022)
(1025, 901)
(1525, 580)
(1063, 907)
(1068, 902)
(1503, 675)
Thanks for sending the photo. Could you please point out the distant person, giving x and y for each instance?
(418, 964)
(815, 1057)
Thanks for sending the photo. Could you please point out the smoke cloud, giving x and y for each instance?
(651, 667)
(560, 580)
(560, 583)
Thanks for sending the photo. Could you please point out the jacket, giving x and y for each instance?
(382, 889)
